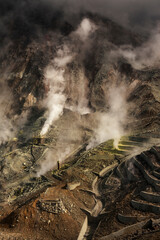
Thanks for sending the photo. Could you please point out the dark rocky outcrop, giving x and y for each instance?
(115, 181)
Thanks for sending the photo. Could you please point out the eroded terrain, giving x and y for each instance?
(74, 182)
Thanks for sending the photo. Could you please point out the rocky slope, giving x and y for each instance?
(105, 97)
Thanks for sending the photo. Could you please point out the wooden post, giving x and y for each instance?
(32, 153)
(58, 165)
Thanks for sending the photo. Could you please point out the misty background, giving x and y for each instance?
(28, 18)
(66, 27)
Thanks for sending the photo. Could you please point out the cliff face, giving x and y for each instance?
(96, 67)
(72, 88)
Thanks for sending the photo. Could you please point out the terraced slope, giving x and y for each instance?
(130, 195)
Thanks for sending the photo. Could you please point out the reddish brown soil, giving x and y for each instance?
(31, 222)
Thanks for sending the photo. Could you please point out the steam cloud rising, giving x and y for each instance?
(6, 124)
(57, 81)
(22, 18)
(56, 98)
(111, 125)
(147, 55)
(51, 158)
(27, 20)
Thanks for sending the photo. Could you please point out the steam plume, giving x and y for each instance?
(85, 29)
(55, 77)
(111, 124)
(6, 98)
(68, 140)
(145, 55)
(6, 129)
(51, 158)
(21, 17)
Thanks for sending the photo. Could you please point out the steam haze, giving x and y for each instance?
(56, 79)
(6, 98)
(28, 18)
(69, 73)
(111, 124)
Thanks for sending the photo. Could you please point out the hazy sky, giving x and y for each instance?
(25, 16)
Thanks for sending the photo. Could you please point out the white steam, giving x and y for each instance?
(85, 29)
(147, 55)
(10, 122)
(78, 92)
(6, 129)
(52, 157)
(55, 77)
(6, 99)
(111, 124)
(60, 80)
(82, 106)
